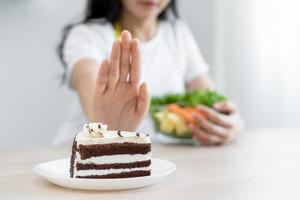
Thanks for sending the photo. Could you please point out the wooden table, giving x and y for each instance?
(261, 164)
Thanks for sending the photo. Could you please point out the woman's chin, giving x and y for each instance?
(148, 15)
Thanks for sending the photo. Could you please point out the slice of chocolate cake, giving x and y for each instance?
(99, 153)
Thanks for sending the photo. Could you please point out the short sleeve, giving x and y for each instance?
(80, 43)
(195, 65)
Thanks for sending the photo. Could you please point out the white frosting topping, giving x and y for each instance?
(97, 133)
(120, 158)
(94, 130)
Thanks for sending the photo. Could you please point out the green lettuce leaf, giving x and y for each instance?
(190, 98)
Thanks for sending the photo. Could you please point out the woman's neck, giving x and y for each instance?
(141, 29)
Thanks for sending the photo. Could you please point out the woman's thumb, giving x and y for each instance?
(143, 100)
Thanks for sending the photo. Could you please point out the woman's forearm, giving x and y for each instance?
(83, 79)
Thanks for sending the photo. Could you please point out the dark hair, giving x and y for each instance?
(110, 10)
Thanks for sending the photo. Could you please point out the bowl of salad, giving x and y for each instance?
(173, 112)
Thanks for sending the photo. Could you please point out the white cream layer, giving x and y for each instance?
(120, 158)
(113, 137)
(108, 171)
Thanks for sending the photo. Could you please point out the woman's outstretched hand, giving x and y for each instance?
(220, 125)
(119, 99)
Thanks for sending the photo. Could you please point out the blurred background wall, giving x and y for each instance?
(251, 46)
(33, 103)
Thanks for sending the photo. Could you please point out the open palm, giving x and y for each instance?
(119, 99)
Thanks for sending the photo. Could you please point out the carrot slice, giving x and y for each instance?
(186, 113)
(187, 116)
(194, 111)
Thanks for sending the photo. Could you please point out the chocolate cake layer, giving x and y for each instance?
(72, 160)
(94, 150)
(120, 175)
(81, 166)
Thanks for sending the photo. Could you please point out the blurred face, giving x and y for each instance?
(144, 9)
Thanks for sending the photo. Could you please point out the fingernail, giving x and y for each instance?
(198, 117)
(137, 41)
(217, 105)
(201, 117)
(191, 126)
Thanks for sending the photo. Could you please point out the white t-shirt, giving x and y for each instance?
(169, 60)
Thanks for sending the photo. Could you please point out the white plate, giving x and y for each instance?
(57, 172)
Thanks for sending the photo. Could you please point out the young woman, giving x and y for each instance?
(115, 75)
